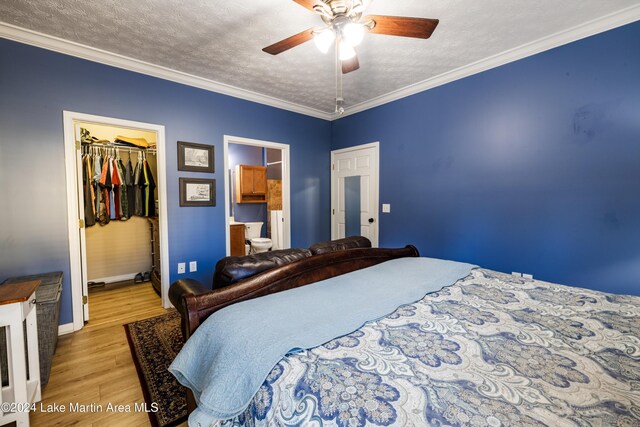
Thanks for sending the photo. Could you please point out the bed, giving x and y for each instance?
(476, 347)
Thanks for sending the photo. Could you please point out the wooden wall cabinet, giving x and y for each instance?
(251, 184)
(236, 240)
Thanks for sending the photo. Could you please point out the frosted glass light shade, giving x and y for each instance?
(324, 39)
(346, 51)
(353, 33)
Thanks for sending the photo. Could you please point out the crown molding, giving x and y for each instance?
(78, 50)
(56, 44)
(599, 25)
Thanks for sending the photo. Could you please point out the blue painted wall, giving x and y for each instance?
(248, 212)
(531, 167)
(37, 85)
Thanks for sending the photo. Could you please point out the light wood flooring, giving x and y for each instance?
(94, 365)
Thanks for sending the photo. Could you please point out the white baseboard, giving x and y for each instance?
(67, 328)
(113, 279)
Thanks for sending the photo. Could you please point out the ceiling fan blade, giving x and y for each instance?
(289, 42)
(350, 65)
(402, 26)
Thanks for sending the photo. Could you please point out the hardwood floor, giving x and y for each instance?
(94, 366)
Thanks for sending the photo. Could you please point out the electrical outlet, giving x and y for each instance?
(193, 266)
(527, 276)
(181, 267)
(386, 208)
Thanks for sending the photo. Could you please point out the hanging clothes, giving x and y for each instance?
(151, 187)
(117, 183)
(91, 187)
(113, 209)
(87, 186)
(145, 189)
(114, 190)
(97, 170)
(104, 211)
(124, 203)
(128, 179)
(138, 183)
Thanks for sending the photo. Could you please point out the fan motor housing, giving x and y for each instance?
(337, 6)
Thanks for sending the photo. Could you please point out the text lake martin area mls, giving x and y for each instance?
(94, 407)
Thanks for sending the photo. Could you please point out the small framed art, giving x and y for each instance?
(197, 192)
(194, 157)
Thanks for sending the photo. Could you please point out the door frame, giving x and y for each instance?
(376, 185)
(286, 184)
(77, 248)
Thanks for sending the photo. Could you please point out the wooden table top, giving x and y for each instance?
(17, 292)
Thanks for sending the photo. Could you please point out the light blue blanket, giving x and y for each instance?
(232, 352)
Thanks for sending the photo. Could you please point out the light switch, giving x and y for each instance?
(386, 208)
(193, 266)
(181, 267)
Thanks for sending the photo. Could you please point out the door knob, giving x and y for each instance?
(371, 220)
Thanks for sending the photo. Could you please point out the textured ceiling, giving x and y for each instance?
(222, 40)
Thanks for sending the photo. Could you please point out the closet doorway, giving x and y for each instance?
(262, 211)
(117, 209)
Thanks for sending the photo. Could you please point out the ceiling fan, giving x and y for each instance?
(344, 23)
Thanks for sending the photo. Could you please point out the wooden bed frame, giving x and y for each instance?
(199, 302)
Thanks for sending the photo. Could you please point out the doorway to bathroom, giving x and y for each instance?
(257, 195)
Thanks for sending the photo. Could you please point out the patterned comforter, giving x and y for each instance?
(491, 350)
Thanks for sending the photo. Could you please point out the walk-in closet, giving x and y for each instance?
(120, 209)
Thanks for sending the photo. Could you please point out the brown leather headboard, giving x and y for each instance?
(352, 242)
(295, 274)
(232, 269)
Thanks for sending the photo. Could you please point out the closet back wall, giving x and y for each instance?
(118, 250)
(36, 85)
(531, 167)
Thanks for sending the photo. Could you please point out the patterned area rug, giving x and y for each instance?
(154, 344)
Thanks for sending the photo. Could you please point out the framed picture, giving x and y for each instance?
(197, 192)
(194, 157)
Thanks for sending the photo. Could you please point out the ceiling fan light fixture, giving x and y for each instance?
(323, 39)
(346, 51)
(354, 33)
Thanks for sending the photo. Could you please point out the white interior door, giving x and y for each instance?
(81, 230)
(354, 192)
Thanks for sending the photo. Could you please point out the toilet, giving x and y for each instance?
(258, 244)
